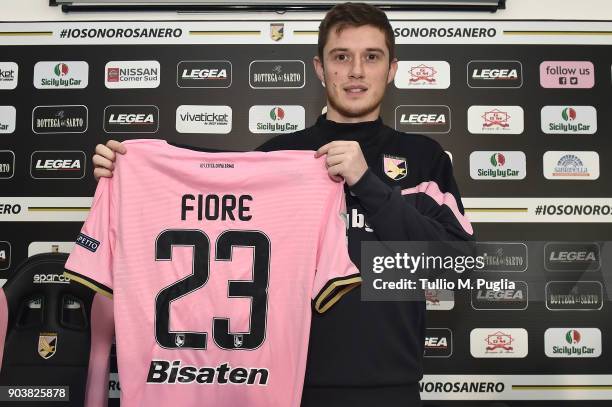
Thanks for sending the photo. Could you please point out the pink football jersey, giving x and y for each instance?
(212, 260)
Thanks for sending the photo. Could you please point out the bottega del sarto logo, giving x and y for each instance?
(57, 165)
(131, 119)
(423, 118)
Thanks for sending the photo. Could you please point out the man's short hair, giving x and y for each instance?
(355, 15)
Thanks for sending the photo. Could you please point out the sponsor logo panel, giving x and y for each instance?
(281, 74)
(495, 119)
(498, 343)
(422, 75)
(61, 75)
(438, 343)
(572, 342)
(132, 74)
(572, 165)
(567, 74)
(495, 74)
(205, 119)
(276, 119)
(9, 75)
(574, 295)
(439, 300)
(7, 164)
(423, 118)
(59, 119)
(503, 256)
(204, 74)
(506, 299)
(57, 164)
(568, 120)
(8, 119)
(131, 119)
(5, 255)
(49, 247)
(574, 256)
(498, 165)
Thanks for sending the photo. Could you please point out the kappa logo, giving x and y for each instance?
(495, 74)
(422, 75)
(394, 167)
(204, 74)
(47, 345)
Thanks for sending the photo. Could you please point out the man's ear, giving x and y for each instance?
(392, 71)
(318, 66)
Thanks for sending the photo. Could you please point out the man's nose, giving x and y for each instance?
(356, 68)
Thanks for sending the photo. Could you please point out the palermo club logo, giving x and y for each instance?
(572, 337)
(568, 114)
(498, 160)
(277, 113)
(61, 69)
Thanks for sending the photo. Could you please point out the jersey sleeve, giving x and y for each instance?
(336, 274)
(90, 262)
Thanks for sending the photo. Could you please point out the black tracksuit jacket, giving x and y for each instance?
(371, 353)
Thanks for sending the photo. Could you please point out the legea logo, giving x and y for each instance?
(567, 74)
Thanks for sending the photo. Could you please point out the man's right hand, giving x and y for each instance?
(104, 158)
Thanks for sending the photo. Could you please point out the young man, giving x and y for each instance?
(400, 187)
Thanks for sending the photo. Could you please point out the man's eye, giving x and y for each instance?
(341, 57)
(372, 57)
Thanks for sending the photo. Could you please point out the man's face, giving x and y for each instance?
(356, 71)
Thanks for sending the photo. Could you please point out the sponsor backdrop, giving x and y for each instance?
(522, 107)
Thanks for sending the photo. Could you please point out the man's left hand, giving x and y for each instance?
(344, 160)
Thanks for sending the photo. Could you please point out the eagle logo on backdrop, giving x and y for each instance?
(395, 167)
(277, 31)
(179, 340)
(47, 345)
